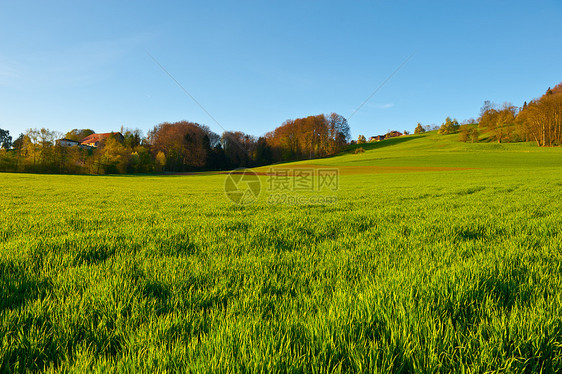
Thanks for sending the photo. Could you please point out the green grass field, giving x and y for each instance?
(412, 270)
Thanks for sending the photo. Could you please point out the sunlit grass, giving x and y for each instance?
(437, 270)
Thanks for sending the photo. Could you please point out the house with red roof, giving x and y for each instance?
(95, 140)
(377, 138)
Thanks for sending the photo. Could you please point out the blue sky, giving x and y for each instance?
(254, 64)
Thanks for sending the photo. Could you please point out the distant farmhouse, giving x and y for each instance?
(377, 138)
(391, 134)
(91, 141)
(94, 140)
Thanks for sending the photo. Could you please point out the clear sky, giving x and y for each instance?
(254, 64)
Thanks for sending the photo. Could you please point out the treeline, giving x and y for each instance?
(310, 137)
(37, 150)
(173, 147)
(541, 119)
(538, 121)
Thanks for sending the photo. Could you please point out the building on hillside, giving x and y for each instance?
(67, 142)
(393, 134)
(377, 138)
(94, 140)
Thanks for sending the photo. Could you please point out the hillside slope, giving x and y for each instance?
(432, 150)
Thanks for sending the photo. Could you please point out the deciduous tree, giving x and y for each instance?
(450, 126)
(5, 139)
(78, 134)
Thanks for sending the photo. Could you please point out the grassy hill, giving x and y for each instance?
(431, 149)
(436, 256)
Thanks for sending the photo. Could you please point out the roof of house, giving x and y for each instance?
(394, 133)
(97, 137)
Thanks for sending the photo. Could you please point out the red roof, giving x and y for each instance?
(93, 138)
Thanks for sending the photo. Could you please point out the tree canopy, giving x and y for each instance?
(450, 126)
(5, 139)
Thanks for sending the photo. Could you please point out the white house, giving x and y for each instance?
(67, 142)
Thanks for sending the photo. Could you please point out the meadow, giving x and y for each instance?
(452, 269)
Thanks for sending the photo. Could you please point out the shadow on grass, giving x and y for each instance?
(383, 143)
(19, 288)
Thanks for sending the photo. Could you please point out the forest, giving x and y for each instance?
(173, 147)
